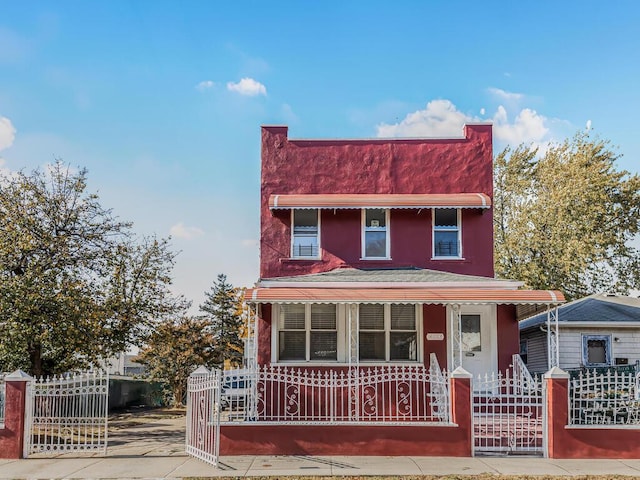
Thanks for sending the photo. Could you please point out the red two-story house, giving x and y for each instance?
(376, 278)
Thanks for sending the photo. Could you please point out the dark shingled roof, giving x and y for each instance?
(410, 274)
(594, 308)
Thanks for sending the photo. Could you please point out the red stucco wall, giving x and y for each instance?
(583, 442)
(264, 334)
(376, 166)
(12, 435)
(435, 321)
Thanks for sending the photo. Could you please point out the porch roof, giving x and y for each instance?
(394, 277)
(372, 200)
(444, 296)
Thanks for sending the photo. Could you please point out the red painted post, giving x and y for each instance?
(557, 409)
(461, 406)
(12, 435)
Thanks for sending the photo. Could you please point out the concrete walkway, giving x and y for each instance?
(156, 450)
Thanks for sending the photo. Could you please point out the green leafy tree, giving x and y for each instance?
(223, 308)
(565, 218)
(75, 284)
(175, 349)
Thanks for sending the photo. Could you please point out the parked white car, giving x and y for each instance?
(235, 389)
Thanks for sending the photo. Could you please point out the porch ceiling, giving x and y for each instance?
(448, 200)
(404, 295)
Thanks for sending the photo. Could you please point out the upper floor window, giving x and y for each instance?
(446, 233)
(305, 241)
(375, 234)
(387, 332)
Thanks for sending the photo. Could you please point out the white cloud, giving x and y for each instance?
(179, 230)
(482, 111)
(7, 133)
(247, 86)
(440, 118)
(528, 127)
(588, 126)
(205, 85)
(504, 95)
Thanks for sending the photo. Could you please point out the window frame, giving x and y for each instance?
(292, 240)
(340, 336)
(387, 335)
(342, 332)
(607, 352)
(363, 234)
(435, 229)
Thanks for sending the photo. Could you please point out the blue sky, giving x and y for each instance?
(162, 101)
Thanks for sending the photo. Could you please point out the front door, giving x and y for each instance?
(479, 339)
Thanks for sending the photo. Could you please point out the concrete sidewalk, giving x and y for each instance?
(179, 465)
(155, 449)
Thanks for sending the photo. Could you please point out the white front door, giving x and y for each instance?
(479, 339)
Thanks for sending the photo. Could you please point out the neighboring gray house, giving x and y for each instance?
(596, 331)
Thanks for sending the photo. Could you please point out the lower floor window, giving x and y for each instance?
(323, 332)
(596, 350)
(387, 332)
(308, 332)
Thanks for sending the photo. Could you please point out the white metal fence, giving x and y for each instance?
(611, 398)
(67, 413)
(203, 415)
(388, 394)
(508, 412)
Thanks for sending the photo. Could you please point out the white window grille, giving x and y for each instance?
(305, 241)
(446, 233)
(375, 234)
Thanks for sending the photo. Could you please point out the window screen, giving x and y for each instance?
(375, 233)
(324, 337)
(446, 233)
(305, 233)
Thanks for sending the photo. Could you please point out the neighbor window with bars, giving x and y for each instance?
(305, 241)
(308, 332)
(596, 350)
(446, 233)
(387, 332)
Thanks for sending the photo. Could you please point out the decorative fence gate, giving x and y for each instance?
(203, 415)
(508, 412)
(67, 414)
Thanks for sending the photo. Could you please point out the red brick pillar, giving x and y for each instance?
(557, 382)
(461, 406)
(12, 435)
